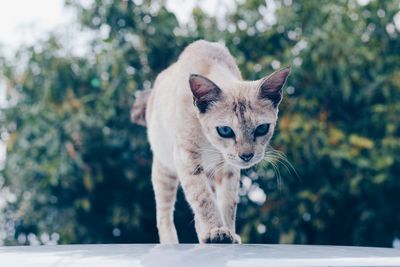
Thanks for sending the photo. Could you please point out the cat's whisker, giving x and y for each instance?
(209, 150)
(276, 171)
(281, 158)
(275, 157)
(216, 168)
(281, 161)
(280, 183)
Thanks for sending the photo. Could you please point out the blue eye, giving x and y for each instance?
(225, 132)
(261, 130)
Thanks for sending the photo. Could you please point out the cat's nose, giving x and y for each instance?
(246, 156)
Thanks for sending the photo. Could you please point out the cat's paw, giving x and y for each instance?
(237, 239)
(222, 235)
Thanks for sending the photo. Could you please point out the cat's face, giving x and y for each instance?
(239, 121)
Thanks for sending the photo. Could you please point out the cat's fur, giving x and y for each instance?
(182, 112)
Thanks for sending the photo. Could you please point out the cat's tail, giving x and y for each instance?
(138, 111)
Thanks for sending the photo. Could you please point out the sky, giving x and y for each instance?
(24, 21)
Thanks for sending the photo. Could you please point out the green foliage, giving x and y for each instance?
(80, 170)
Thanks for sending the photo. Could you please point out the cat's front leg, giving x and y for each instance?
(227, 189)
(165, 185)
(209, 223)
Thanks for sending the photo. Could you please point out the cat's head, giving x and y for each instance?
(240, 120)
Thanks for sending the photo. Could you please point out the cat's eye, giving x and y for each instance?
(261, 129)
(225, 132)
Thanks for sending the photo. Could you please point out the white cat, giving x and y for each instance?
(205, 124)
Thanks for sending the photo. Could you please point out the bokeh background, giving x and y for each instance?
(77, 171)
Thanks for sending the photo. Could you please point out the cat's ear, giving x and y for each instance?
(271, 86)
(204, 91)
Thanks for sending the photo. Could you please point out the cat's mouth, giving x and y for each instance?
(243, 164)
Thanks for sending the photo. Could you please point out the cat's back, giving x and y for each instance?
(210, 59)
(202, 57)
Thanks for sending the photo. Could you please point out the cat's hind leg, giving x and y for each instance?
(165, 186)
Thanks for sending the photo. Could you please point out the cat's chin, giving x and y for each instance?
(242, 165)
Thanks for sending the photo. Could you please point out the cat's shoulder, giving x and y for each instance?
(205, 48)
(205, 45)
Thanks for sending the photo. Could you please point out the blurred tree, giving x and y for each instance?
(338, 124)
(80, 170)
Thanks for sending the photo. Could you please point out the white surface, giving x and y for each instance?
(197, 255)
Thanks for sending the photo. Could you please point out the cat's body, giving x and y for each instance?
(202, 132)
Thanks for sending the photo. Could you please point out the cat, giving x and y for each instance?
(205, 124)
